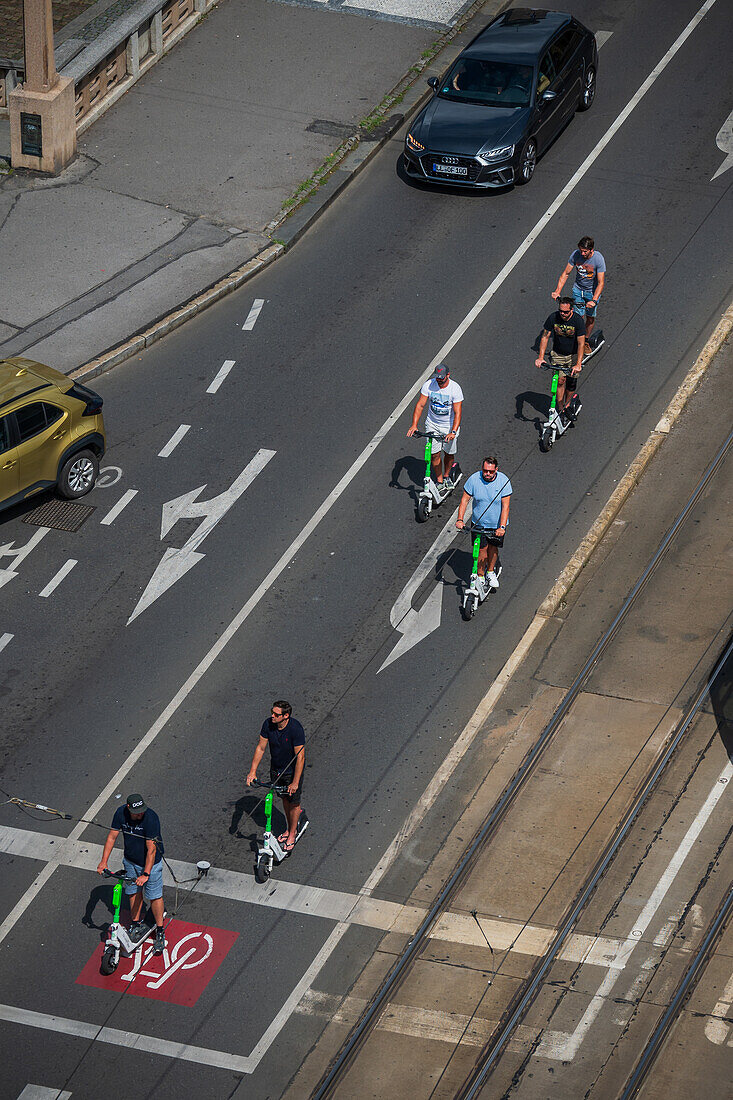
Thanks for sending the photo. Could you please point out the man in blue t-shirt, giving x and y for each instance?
(590, 279)
(143, 860)
(286, 738)
(491, 494)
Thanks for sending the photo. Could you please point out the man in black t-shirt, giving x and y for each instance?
(143, 860)
(286, 738)
(567, 330)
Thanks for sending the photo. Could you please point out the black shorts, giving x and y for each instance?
(489, 537)
(284, 779)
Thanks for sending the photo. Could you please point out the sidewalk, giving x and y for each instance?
(175, 185)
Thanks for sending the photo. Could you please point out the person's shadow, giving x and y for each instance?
(414, 468)
(540, 402)
(250, 810)
(101, 893)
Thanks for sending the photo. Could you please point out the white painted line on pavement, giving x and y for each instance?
(82, 1030)
(5, 639)
(269, 580)
(42, 1092)
(117, 508)
(253, 314)
(174, 440)
(56, 581)
(635, 937)
(602, 37)
(223, 372)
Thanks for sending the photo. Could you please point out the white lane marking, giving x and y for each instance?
(56, 581)
(82, 1030)
(724, 141)
(41, 1092)
(175, 563)
(174, 440)
(471, 730)
(416, 625)
(219, 378)
(717, 1028)
(117, 508)
(602, 37)
(629, 945)
(253, 314)
(5, 639)
(18, 555)
(335, 905)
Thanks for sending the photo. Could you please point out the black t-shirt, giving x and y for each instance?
(135, 833)
(565, 333)
(283, 742)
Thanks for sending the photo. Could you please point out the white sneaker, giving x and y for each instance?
(493, 580)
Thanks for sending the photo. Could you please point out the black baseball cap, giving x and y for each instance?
(441, 372)
(136, 804)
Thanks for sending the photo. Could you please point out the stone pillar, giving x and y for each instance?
(42, 117)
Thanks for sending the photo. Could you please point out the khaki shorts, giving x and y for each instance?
(564, 363)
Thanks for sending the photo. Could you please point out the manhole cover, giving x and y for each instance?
(62, 515)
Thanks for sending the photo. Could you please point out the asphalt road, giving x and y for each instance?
(351, 320)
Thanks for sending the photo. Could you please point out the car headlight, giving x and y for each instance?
(500, 153)
(414, 145)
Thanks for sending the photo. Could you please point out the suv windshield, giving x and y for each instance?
(494, 83)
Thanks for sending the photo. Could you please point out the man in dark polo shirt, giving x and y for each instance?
(143, 860)
(567, 330)
(286, 738)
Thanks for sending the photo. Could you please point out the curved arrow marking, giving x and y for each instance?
(416, 625)
(724, 141)
(176, 563)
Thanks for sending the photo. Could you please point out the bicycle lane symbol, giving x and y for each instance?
(192, 955)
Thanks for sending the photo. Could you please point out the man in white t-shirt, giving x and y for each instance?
(444, 399)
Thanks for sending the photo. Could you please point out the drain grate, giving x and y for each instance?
(62, 515)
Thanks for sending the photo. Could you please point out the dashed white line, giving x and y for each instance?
(253, 314)
(5, 639)
(223, 372)
(56, 581)
(117, 508)
(174, 440)
(41, 1092)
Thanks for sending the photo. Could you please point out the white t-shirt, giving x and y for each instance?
(440, 404)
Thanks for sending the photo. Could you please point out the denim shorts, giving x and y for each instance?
(581, 298)
(153, 888)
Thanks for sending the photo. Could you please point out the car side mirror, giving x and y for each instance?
(433, 82)
(547, 96)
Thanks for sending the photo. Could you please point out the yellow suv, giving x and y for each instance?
(51, 432)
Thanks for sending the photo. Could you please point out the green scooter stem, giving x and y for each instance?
(555, 380)
(428, 456)
(117, 902)
(268, 812)
(476, 548)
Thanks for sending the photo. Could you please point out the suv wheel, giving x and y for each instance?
(78, 475)
(588, 94)
(527, 162)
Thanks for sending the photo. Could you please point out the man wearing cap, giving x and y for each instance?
(143, 860)
(444, 399)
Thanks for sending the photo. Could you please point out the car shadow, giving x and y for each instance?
(23, 507)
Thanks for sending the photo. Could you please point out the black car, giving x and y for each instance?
(504, 100)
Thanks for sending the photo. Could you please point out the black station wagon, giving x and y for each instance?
(504, 100)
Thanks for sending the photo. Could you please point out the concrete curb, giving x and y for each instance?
(329, 180)
(623, 490)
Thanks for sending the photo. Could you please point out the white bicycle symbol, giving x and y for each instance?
(172, 962)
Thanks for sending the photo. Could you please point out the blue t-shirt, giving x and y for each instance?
(283, 743)
(135, 833)
(586, 270)
(487, 498)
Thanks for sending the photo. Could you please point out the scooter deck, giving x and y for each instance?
(595, 346)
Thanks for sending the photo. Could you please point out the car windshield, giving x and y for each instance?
(494, 83)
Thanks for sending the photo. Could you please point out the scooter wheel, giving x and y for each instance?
(468, 608)
(262, 869)
(546, 440)
(109, 961)
(423, 510)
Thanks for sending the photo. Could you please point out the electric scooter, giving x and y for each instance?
(272, 850)
(433, 494)
(556, 425)
(119, 942)
(479, 588)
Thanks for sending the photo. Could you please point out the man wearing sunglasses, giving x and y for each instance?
(491, 494)
(286, 739)
(567, 329)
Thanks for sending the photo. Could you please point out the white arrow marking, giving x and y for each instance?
(19, 555)
(724, 141)
(416, 625)
(176, 563)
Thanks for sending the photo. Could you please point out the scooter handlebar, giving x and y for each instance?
(278, 788)
(431, 435)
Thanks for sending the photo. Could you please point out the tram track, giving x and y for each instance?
(519, 1003)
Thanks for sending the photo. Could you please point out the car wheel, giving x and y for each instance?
(78, 475)
(527, 162)
(588, 93)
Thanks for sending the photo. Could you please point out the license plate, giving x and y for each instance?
(450, 169)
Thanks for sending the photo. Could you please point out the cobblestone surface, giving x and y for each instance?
(11, 22)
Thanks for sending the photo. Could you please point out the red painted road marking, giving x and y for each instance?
(192, 955)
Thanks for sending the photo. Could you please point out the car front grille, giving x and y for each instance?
(429, 160)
